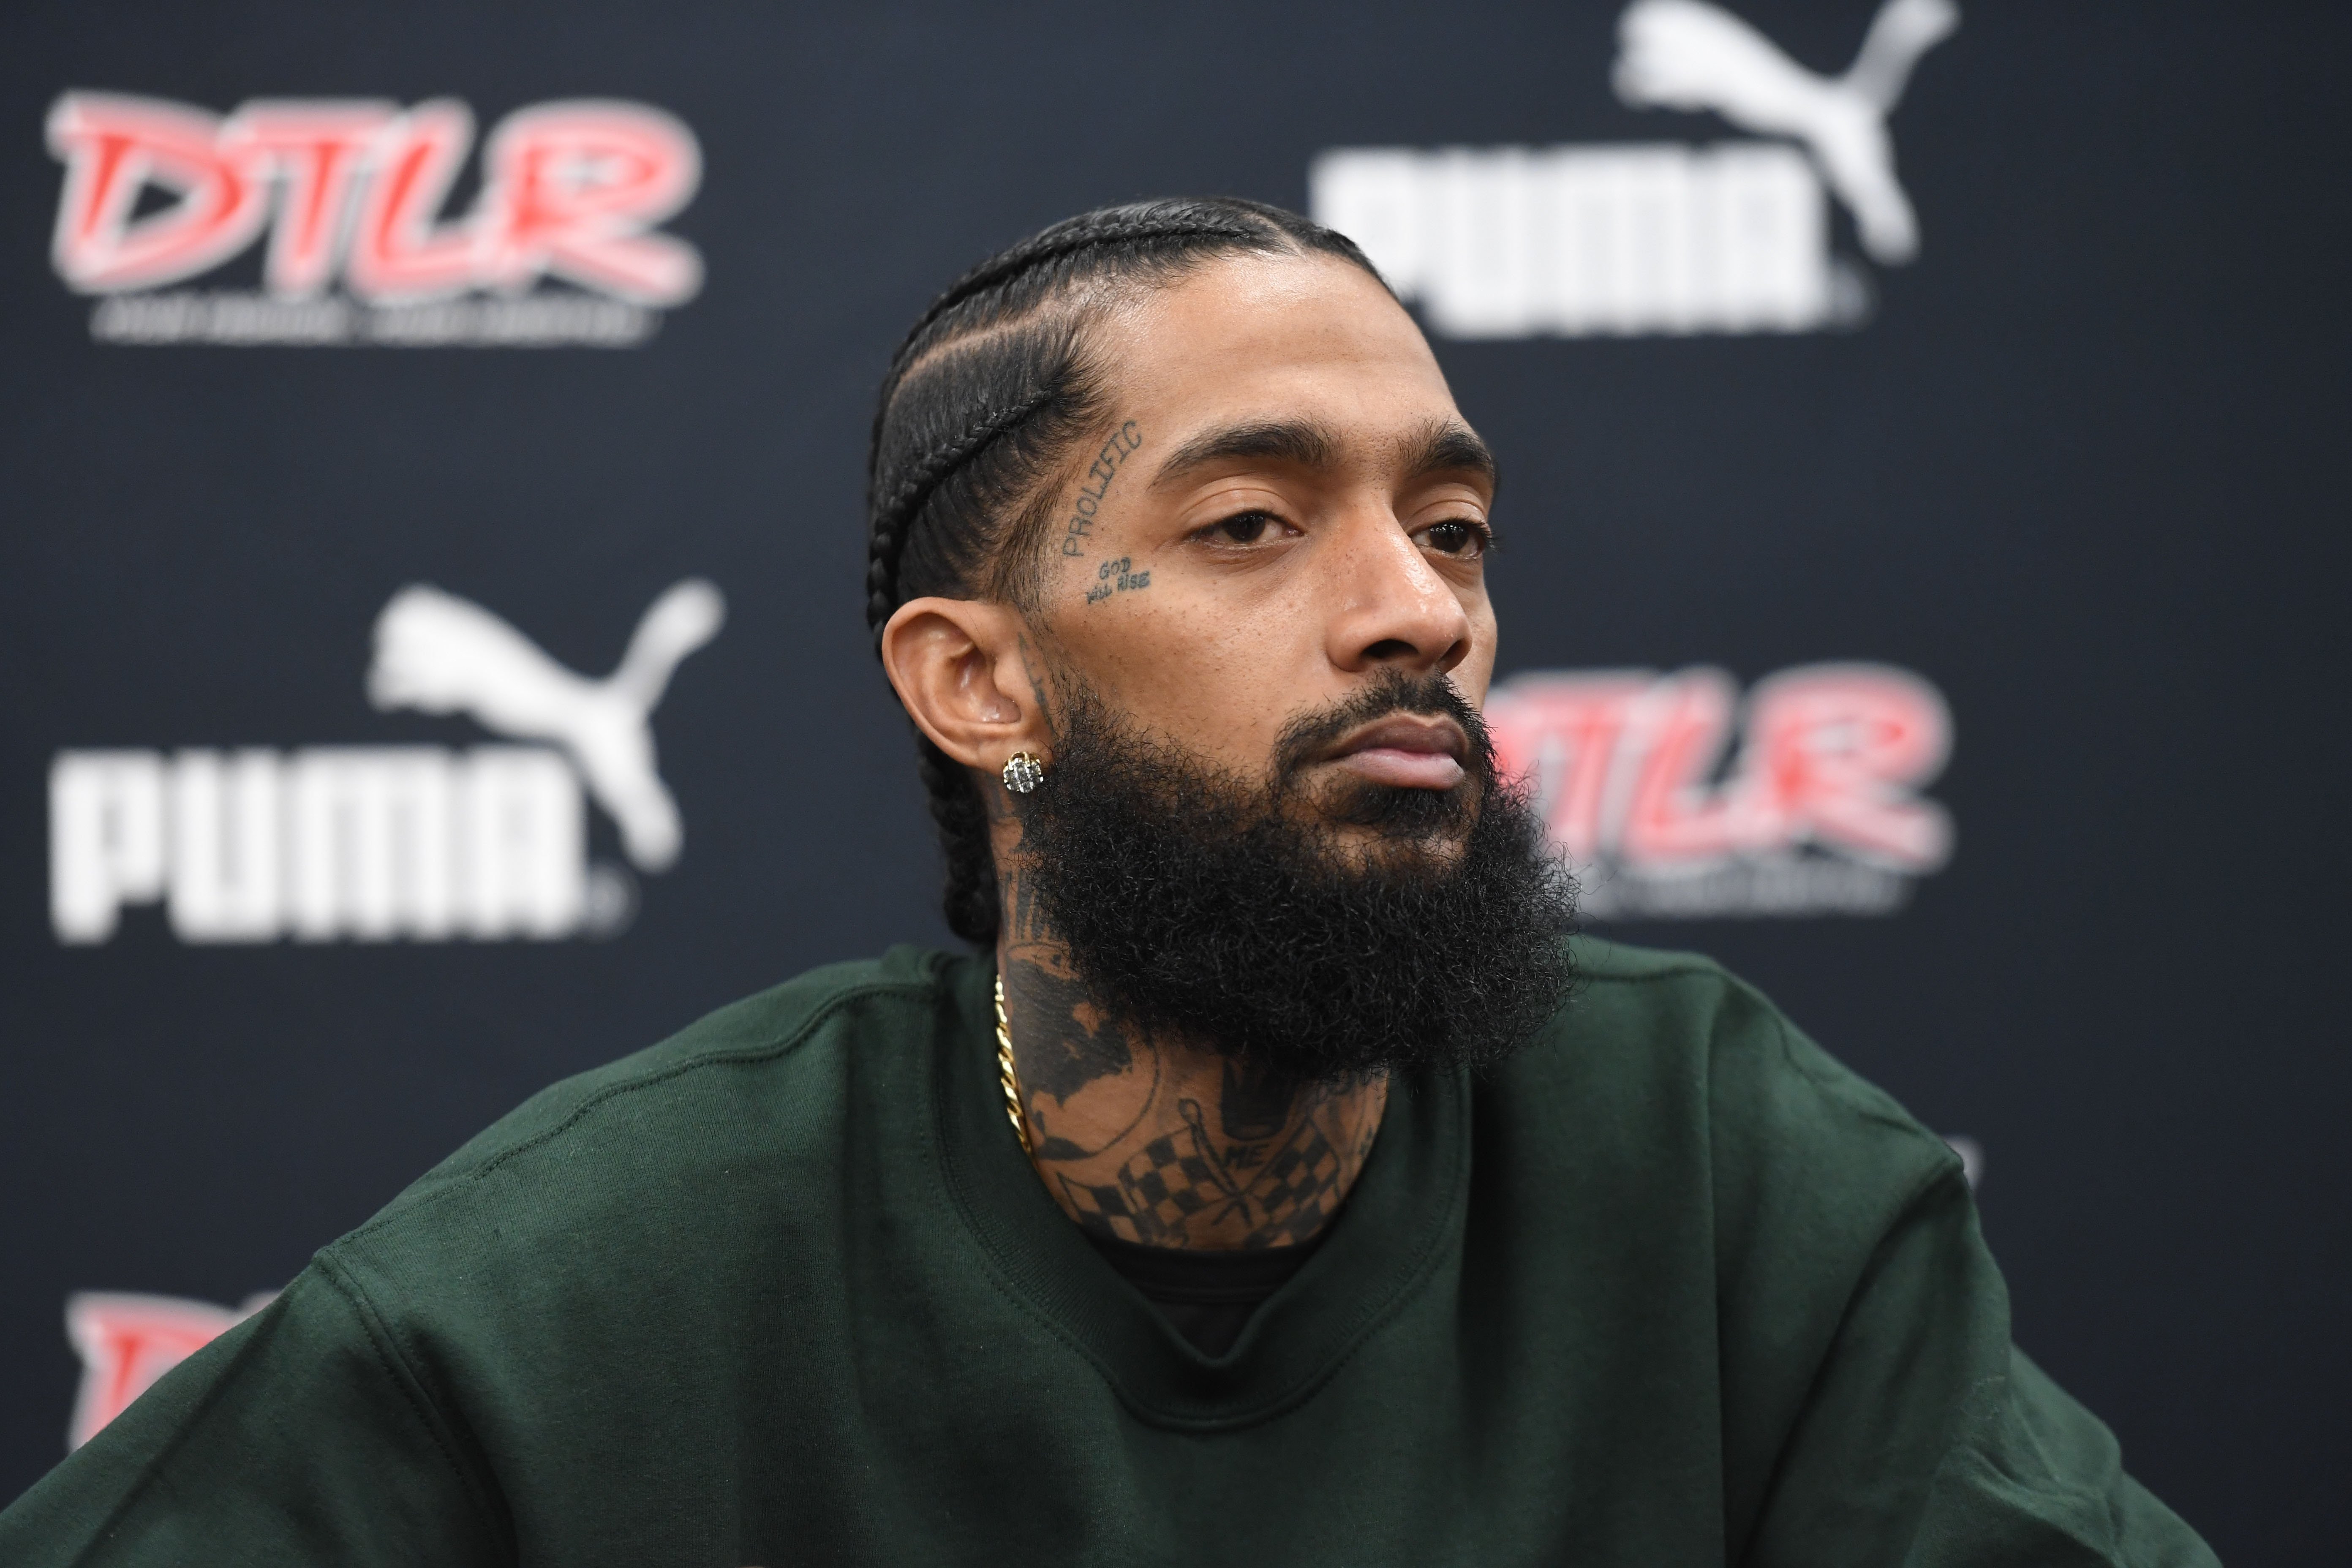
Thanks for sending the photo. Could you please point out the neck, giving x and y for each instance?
(1166, 1142)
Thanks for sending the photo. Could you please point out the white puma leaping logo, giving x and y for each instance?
(440, 654)
(1686, 54)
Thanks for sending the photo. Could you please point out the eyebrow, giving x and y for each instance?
(1300, 441)
(1447, 447)
(1442, 446)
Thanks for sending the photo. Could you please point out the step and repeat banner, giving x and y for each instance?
(431, 589)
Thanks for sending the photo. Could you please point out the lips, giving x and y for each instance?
(1410, 751)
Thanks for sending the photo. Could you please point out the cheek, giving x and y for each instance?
(1218, 679)
(1475, 674)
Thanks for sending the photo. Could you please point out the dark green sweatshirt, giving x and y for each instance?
(1671, 1288)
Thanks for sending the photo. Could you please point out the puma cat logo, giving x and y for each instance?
(437, 653)
(1688, 55)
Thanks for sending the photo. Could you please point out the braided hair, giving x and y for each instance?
(991, 387)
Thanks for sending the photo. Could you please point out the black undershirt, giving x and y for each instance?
(1207, 1295)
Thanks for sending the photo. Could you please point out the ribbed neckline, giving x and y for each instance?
(1405, 1207)
(1179, 1274)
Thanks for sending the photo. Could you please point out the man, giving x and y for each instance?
(1300, 1194)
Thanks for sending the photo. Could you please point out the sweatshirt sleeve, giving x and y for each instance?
(1930, 1441)
(298, 1438)
(2039, 1480)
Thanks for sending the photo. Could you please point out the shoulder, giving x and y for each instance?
(762, 1085)
(1659, 1009)
(1688, 1073)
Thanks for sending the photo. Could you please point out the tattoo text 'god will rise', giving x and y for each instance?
(1116, 452)
(1118, 576)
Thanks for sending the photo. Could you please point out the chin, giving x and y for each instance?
(1429, 826)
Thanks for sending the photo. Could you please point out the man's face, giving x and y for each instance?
(1269, 820)
(1290, 511)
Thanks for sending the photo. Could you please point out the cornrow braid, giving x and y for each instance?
(1067, 241)
(991, 390)
(892, 518)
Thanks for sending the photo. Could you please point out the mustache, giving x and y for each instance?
(1308, 735)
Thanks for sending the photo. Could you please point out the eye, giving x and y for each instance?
(1242, 528)
(1457, 537)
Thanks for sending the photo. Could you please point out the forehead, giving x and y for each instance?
(1286, 338)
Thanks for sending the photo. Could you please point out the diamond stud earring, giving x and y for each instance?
(1023, 771)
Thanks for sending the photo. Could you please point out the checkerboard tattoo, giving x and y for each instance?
(1180, 1175)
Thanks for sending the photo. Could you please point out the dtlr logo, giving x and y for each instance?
(383, 842)
(351, 191)
(1819, 813)
(128, 1341)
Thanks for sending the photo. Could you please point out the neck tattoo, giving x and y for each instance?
(1160, 1142)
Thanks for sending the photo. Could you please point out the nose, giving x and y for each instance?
(1393, 606)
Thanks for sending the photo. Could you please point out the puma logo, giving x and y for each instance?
(437, 653)
(1688, 55)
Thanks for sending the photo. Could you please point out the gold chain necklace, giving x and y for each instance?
(1005, 1072)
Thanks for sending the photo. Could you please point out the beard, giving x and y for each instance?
(1313, 934)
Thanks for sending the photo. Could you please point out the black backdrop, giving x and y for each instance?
(2072, 470)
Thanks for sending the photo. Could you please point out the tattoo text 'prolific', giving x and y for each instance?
(1099, 473)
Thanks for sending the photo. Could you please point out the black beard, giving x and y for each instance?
(1234, 912)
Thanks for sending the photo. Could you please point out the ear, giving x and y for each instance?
(958, 667)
